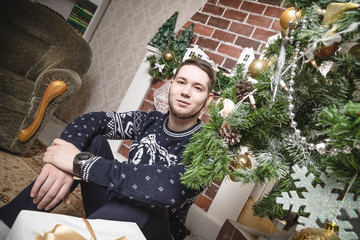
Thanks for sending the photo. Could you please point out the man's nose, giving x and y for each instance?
(186, 91)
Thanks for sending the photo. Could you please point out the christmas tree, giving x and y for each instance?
(172, 49)
(302, 110)
(165, 33)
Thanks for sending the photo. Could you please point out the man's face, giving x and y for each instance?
(188, 92)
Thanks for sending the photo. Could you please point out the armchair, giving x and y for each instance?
(42, 61)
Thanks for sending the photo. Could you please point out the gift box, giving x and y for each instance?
(29, 225)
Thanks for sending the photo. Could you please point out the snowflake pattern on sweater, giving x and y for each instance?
(151, 176)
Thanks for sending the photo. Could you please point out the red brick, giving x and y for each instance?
(147, 106)
(150, 95)
(218, 22)
(203, 30)
(242, 29)
(224, 36)
(203, 202)
(214, 57)
(127, 142)
(262, 47)
(200, 17)
(230, 3)
(253, 7)
(260, 21)
(263, 35)
(272, 2)
(157, 83)
(187, 24)
(218, 182)
(194, 39)
(276, 25)
(211, 191)
(247, 42)
(230, 50)
(123, 150)
(273, 11)
(229, 64)
(204, 116)
(212, 1)
(235, 15)
(207, 43)
(213, 9)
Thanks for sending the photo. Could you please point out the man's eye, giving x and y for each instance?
(198, 88)
(181, 82)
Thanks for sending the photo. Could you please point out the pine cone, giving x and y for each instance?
(243, 89)
(231, 136)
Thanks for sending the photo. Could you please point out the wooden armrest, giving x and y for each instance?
(55, 88)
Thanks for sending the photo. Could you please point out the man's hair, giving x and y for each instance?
(203, 65)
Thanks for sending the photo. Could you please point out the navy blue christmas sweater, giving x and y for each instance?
(151, 176)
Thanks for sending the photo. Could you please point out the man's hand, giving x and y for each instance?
(52, 186)
(61, 154)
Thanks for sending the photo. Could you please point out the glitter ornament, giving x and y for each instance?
(334, 11)
(321, 203)
(315, 234)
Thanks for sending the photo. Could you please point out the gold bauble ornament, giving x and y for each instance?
(327, 51)
(332, 227)
(288, 15)
(256, 67)
(315, 234)
(242, 161)
(355, 50)
(334, 12)
(168, 56)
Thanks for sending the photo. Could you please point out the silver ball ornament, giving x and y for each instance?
(291, 115)
(311, 146)
(293, 124)
(303, 140)
(334, 151)
(357, 145)
(347, 150)
(291, 107)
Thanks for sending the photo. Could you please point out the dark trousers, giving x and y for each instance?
(99, 203)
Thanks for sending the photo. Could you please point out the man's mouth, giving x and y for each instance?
(182, 102)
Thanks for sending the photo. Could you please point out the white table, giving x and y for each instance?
(30, 223)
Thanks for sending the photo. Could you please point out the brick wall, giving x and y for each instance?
(222, 29)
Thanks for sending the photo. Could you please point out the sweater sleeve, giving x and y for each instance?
(110, 124)
(153, 185)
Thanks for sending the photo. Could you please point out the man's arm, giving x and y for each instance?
(155, 185)
(50, 186)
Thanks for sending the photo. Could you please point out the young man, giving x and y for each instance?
(147, 189)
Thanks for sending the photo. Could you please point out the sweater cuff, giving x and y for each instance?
(97, 171)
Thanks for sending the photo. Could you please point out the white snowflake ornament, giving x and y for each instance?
(320, 202)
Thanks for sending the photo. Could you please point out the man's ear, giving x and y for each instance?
(171, 82)
(210, 97)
